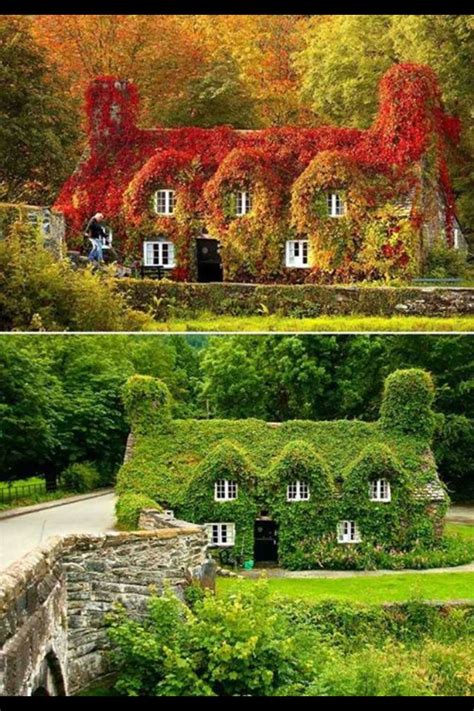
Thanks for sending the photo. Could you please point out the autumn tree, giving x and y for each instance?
(37, 118)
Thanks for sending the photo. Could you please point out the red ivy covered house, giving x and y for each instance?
(279, 204)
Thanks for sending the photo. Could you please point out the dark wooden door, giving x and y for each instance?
(266, 542)
(209, 261)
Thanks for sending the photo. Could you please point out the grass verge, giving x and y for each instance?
(209, 322)
(398, 587)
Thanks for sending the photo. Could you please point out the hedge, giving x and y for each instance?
(165, 299)
(128, 509)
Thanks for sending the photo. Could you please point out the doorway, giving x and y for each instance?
(266, 541)
(209, 262)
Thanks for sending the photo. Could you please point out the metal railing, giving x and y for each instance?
(12, 491)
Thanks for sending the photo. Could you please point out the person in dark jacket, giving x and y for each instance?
(96, 232)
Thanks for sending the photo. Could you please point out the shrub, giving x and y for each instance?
(80, 477)
(443, 262)
(237, 646)
(128, 509)
(248, 644)
(39, 292)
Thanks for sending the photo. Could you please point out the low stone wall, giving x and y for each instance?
(181, 300)
(53, 602)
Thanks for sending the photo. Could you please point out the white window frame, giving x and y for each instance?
(298, 491)
(156, 248)
(168, 201)
(336, 206)
(379, 490)
(348, 532)
(220, 535)
(297, 253)
(456, 236)
(243, 203)
(225, 490)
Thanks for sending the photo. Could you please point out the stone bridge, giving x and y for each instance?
(53, 601)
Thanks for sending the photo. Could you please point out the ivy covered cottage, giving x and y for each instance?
(305, 494)
(272, 205)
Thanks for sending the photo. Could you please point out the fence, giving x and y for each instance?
(12, 492)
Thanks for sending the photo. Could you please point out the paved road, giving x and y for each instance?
(19, 535)
(461, 514)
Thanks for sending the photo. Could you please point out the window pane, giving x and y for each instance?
(165, 254)
(171, 201)
(305, 252)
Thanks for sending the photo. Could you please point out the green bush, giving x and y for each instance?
(80, 477)
(40, 292)
(128, 507)
(224, 647)
(250, 644)
(443, 262)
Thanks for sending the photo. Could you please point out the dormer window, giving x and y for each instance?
(379, 490)
(347, 532)
(225, 490)
(297, 253)
(297, 491)
(165, 201)
(336, 207)
(244, 203)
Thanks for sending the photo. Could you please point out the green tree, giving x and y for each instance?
(29, 398)
(216, 97)
(38, 120)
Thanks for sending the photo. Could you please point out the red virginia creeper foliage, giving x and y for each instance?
(126, 164)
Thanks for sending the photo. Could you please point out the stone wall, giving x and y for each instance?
(33, 623)
(181, 300)
(50, 223)
(53, 601)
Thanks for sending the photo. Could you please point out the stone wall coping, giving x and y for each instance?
(16, 578)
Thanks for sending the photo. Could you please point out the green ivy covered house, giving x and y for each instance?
(301, 493)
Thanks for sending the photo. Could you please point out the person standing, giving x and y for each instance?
(95, 231)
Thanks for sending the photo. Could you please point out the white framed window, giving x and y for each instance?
(220, 534)
(297, 491)
(336, 207)
(379, 490)
(158, 254)
(347, 532)
(165, 201)
(225, 490)
(244, 202)
(297, 253)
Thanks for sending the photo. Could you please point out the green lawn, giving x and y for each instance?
(461, 530)
(384, 588)
(209, 322)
